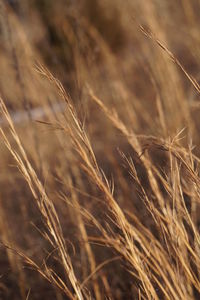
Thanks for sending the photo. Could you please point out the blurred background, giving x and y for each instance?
(98, 44)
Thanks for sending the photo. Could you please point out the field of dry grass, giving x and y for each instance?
(99, 144)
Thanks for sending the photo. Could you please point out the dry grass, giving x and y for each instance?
(100, 177)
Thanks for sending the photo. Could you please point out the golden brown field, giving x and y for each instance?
(99, 144)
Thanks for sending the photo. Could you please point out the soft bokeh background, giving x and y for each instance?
(97, 44)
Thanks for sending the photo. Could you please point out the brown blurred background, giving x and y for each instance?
(100, 44)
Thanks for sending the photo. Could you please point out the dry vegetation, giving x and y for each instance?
(99, 126)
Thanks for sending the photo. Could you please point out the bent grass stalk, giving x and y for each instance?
(44, 203)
